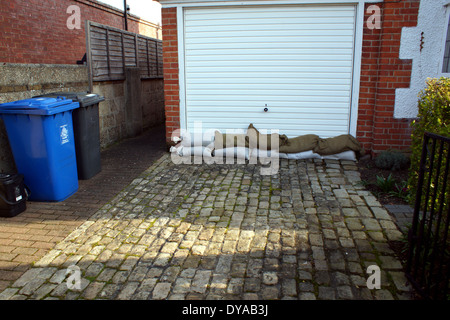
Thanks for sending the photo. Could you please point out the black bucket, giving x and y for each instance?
(13, 195)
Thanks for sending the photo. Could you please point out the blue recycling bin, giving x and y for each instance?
(40, 132)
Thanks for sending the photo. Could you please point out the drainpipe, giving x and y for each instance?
(125, 14)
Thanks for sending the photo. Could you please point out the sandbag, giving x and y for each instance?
(191, 140)
(229, 140)
(258, 153)
(263, 141)
(345, 142)
(198, 151)
(236, 152)
(301, 155)
(346, 155)
(300, 144)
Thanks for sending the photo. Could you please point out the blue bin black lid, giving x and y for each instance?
(38, 106)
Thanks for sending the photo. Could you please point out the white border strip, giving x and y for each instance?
(201, 3)
(181, 68)
(356, 77)
(444, 40)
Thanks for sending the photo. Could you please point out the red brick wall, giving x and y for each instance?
(381, 73)
(35, 31)
(170, 64)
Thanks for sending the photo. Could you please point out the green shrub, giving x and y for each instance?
(385, 184)
(392, 160)
(401, 190)
(434, 117)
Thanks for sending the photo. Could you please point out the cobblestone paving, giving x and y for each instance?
(227, 232)
(27, 237)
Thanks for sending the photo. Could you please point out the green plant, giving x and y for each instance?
(392, 160)
(433, 116)
(363, 183)
(385, 184)
(404, 243)
(401, 190)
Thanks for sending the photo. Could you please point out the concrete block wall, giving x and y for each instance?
(23, 81)
(113, 113)
(152, 102)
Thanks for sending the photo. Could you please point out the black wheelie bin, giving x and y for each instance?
(86, 129)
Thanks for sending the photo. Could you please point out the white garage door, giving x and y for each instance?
(296, 61)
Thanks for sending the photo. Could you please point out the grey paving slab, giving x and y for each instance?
(209, 231)
(402, 214)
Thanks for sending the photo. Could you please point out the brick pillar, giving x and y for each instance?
(381, 73)
(170, 64)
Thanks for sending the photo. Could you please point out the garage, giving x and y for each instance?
(285, 67)
(327, 67)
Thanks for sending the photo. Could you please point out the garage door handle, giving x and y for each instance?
(266, 109)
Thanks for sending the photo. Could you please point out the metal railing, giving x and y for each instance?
(428, 263)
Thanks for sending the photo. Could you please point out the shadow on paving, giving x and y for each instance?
(227, 232)
(121, 163)
(28, 236)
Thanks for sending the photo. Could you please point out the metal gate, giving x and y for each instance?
(428, 264)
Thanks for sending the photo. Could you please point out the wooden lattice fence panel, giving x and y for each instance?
(111, 50)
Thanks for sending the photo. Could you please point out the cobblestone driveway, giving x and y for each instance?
(226, 232)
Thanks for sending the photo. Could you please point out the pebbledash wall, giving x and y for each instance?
(384, 120)
(38, 55)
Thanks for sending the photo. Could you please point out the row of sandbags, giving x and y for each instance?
(255, 144)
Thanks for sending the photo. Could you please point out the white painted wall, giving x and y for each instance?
(432, 21)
